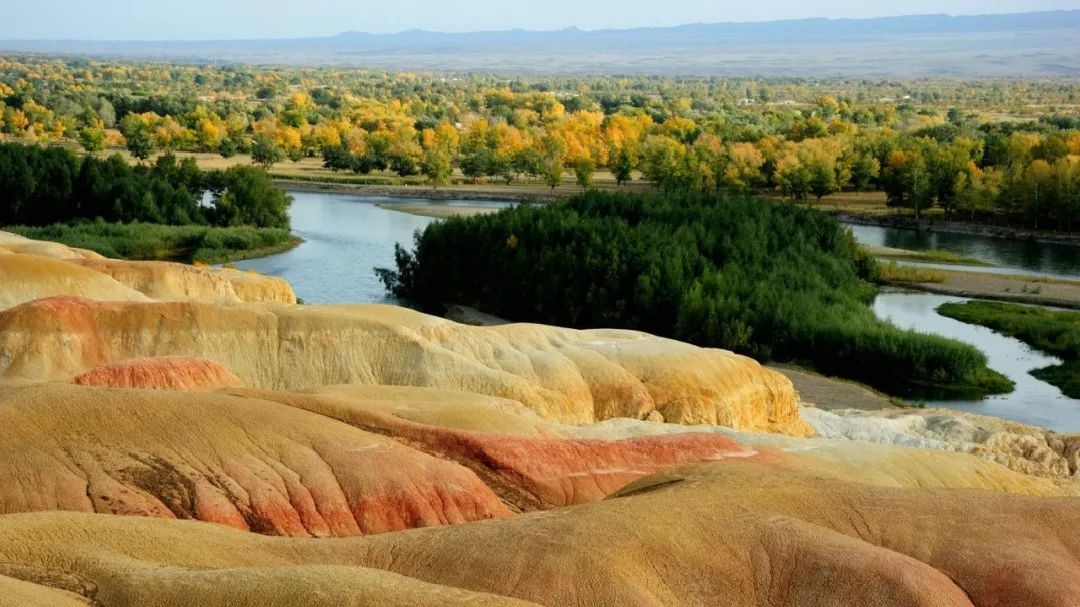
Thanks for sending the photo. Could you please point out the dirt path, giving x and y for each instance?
(830, 394)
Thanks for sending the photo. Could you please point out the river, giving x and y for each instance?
(1034, 401)
(346, 236)
(1011, 256)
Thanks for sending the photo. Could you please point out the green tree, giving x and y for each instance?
(864, 170)
(907, 181)
(246, 195)
(337, 157)
(264, 152)
(623, 168)
(137, 136)
(584, 170)
(92, 138)
(227, 148)
(554, 160)
(437, 166)
(529, 161)
(822, 180)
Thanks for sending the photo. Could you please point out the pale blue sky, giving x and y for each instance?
(232, 19)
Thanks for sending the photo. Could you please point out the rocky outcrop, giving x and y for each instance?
(335, 463)
(162, 373)
(31, 269)
(13, 243)
(530, 472)
(252, 287)
(1019, 447)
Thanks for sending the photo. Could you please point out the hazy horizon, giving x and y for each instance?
(200, 20)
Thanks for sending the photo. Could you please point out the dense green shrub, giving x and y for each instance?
(774, 282)
(45, 185)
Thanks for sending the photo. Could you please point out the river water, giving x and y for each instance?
(347, 236)
(1012, 256)
(1034, 401)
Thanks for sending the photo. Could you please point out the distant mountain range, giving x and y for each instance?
(1019, 44)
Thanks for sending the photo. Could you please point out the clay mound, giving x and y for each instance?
(128, 460)
(530, 468)
(28, 277)
(564, 375)
(252, 287)
(243, 462)
(13, 243)
(183, 563)
(754, 534)
(528, 473)
(164, 373)
(167, 281)
(31, 269)
(19, 593)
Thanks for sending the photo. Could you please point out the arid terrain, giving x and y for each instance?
(193, 436)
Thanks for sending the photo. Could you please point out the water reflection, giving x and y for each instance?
(1028, 256)
(1033, 401)
(344, 238)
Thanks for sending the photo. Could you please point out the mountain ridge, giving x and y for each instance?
(1012, 44)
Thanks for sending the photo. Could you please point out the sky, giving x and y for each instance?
(244, 19)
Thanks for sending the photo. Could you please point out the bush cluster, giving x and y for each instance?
(45, 185)
(772, 281)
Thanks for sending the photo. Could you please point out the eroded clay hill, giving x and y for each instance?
(31, 269)
(564, 375)
(743, 532)
(183, 436)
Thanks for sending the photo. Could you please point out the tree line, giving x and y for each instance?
(1002, 152)
(773, 282)
(46, 185)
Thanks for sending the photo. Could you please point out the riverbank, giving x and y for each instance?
(1017, 289)
(940, 225)
(438, 211)
(871, 211)
(1054, 332)
(832, 394)
(930, 256)
(489, 193)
